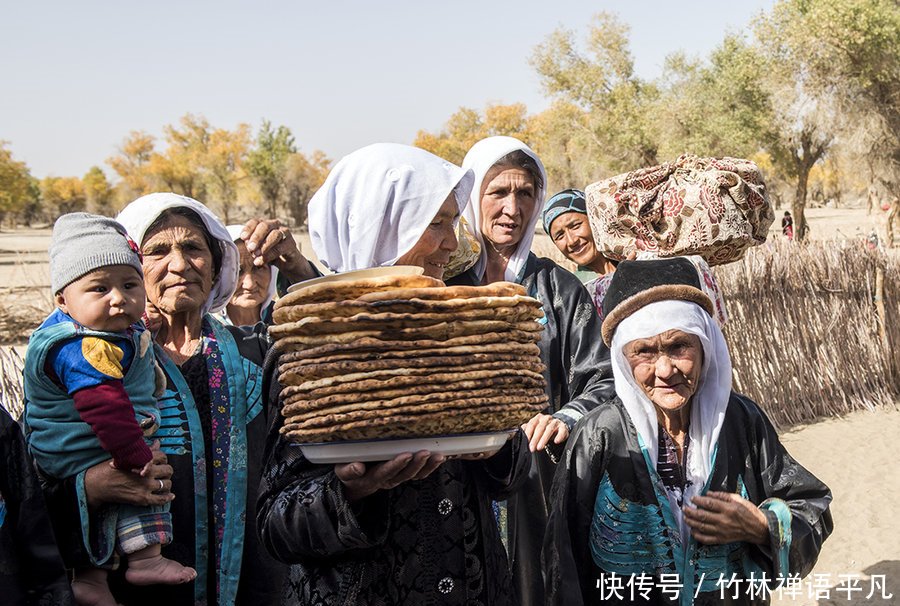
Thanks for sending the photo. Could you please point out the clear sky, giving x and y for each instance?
(76, 77)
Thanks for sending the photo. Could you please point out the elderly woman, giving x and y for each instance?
(254, 295)
(213, 423)
(418, 529)
(678, 476)
(506, 205)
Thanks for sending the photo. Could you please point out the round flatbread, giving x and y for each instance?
(493, 418)
(312, 325)
(349, 352)
(345, 402)
(340, 309)
(380, 379)
(497, 289)
(352, 289)
(403, 386)
(312, 370)
(287, 376)
(437, 332)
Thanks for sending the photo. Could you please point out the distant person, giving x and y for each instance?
(31, 569)
(91, 393)
(787, 225)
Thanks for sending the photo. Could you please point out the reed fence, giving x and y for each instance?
(814, 329)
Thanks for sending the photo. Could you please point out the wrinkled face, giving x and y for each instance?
(432, 251)
(109, 299)
(666, 367)
(508, 197)
(253, 281)
(571, 232)
(178, 266)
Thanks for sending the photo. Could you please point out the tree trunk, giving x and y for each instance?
(801, 227)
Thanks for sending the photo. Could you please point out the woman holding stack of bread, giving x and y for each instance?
(418, 528)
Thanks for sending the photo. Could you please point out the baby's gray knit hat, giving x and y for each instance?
(83, 242)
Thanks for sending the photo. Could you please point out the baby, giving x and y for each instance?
(90, 395)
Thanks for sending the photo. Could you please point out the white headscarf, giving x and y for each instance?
(377, 202)
(235, 232)
(481, 158)
(708, 403)
(140, 214)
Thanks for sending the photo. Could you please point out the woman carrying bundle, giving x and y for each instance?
(418, 528)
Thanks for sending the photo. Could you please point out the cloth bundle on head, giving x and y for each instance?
(235, 232)
(566, 201)
(82, 242)
(481, 158)
(141, 213)
(713, 207)
(647, 298)
(377, 202)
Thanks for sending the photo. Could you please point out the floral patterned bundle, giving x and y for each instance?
(713, 207)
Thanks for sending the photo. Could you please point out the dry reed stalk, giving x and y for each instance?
(803, 329)
(12, 392)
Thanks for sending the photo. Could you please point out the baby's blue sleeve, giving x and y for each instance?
(86, 362)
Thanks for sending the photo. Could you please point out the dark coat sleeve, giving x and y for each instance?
(797, 504)
(586, 370)
(31, 570)
(566, 556)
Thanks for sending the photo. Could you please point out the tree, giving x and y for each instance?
(180, 167)
(97, 192)
(61, 195)
(849, 51)
(303, 176)
(601, 82)
(224, 167)
(267, 163)
(132, 163)
(16, 184)
(466, 127)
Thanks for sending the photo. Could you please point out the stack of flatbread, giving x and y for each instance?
(406, 356)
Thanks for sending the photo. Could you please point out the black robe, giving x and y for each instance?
(31, 569)
(579, 378)
(424, 542)
(260, 577)
(609, 517)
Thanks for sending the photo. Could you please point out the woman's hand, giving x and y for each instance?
(105, 484)
(360, 481)
(270, 242)
(541, 429)
(726, 517)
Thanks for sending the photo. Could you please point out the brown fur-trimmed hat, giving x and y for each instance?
(639, 283)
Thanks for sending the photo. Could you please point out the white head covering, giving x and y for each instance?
(708, 403)
(140, 214)
(377, 202)
(235, 232)
(481, 158)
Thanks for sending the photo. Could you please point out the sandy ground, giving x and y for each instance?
(854, 455)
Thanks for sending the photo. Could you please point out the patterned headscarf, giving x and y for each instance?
(566, 201)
